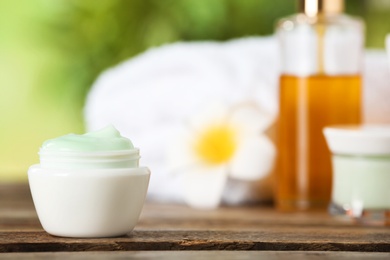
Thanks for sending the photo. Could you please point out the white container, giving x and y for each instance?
(361, 172)
(89, 160)
(88, 202)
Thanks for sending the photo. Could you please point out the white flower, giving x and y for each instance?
(218, 143)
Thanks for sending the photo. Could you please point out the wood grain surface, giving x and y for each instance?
(176, 227)
(195, 255)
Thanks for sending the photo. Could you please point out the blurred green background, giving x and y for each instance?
(51, 51)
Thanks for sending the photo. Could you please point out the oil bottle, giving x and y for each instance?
(321, 51)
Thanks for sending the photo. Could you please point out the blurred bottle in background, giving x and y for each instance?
(321, 50)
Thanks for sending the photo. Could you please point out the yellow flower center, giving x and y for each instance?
(216, 145)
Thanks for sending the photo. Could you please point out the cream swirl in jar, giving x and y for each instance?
(89, 185)
(105, 148)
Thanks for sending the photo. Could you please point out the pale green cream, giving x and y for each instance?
(106, 139)
(361, 180)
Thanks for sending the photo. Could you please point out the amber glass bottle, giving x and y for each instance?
(320, 85)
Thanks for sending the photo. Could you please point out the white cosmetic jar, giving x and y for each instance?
(361, 172)
(87, 198)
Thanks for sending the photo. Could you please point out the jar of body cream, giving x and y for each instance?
(89, 185)
(361, 172)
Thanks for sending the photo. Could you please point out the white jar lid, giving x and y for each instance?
(359, 140)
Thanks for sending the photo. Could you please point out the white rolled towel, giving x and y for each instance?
(148, 98)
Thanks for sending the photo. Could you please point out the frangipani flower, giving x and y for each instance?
(219, 143)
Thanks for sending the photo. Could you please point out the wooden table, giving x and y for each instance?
(174, 231)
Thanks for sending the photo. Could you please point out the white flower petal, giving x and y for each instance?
(250, 118)
(203, 186)
(211, 114)
(180, 153)
(253, 159)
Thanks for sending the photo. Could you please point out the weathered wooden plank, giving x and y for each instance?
(280, 240)
(175, 227)
(195, 255)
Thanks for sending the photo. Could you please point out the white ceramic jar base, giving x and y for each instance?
(88, 203)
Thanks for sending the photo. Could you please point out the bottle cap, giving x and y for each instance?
(315, 7)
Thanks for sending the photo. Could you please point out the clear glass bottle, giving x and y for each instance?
(321, 51)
